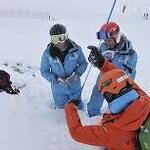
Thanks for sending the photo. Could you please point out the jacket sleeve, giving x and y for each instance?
(135, 114)
(107, 66)
(81, 63)
(130, 65)
(138, 89)
(92, 135)
(45, 68)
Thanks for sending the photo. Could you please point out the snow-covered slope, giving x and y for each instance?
(27, 122)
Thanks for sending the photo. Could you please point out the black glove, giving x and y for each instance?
(95, 57)
(10, 90)
(74, 101)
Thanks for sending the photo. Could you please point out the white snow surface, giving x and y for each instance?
(27, 122)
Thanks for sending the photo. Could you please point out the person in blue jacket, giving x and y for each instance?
(62, 65)
(117, 49)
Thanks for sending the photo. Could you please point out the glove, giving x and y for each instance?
(74, 101)
(10, 90)
(95, 57)
(108, 55)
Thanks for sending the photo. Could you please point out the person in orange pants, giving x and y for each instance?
(129, 108)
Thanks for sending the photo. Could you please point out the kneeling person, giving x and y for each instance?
(129, 107)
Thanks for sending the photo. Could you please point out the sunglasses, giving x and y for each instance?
(60, 38)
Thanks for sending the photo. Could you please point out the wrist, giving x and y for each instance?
(76, 73)
(101, 62)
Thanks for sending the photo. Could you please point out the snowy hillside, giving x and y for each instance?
(27, 122)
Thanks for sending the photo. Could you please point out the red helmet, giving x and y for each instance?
(113, 81)
(107, 30)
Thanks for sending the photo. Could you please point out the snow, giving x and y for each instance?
(27, 122)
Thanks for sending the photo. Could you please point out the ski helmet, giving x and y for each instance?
(57, 29)
(113, 81)
(107, 30)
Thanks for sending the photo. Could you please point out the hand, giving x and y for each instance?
(57, 80)
(95, 57)
(16, 91)
(61, 79)
(67, 79)
(72, 77)
(108, 55)
(74, 101)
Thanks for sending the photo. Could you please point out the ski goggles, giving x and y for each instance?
(101, 35)
(111, 96)
(60, 38)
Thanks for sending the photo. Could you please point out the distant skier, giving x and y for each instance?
(62, 65)
(5, 83)
(129, 107)
(145, 16)
(117, 49)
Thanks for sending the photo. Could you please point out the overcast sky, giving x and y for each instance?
(65, 5)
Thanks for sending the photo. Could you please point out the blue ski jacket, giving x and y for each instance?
(52, 69)
(125, 58)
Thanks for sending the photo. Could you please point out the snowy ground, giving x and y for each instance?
(27, 122)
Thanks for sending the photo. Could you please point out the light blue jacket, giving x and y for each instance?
(51, 69)
(125, 59)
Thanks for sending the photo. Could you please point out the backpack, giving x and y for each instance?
(4, 79)
(5, 83)
(144, 135)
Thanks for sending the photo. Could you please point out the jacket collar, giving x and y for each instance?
(123, 47)
(54, 51)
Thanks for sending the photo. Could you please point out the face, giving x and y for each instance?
(110, 42)
(60, 45)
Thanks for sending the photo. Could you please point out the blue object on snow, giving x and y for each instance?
(119, 104)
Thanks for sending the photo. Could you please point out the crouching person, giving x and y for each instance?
(129, 107)
(5, 83)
